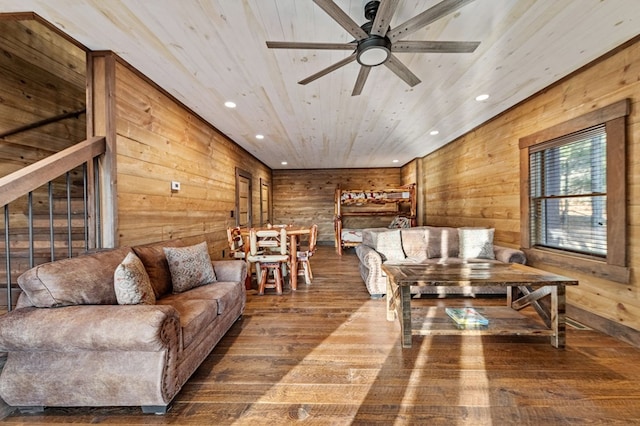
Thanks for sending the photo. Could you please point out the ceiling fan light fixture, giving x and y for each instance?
(373, 51)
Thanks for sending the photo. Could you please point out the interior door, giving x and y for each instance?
(265, 203)
(243, 199)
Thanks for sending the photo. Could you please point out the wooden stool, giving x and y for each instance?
(265, 267)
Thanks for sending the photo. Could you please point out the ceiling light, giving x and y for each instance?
(230, 104)
(258, 136)
(434, 132)
(373, 51)
(284, 163)
(394, 161)
(481, 98)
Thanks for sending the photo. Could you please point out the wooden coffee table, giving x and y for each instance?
(526, 286)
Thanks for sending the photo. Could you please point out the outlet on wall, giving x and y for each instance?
(175, 186)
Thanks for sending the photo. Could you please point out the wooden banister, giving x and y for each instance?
(35, 175)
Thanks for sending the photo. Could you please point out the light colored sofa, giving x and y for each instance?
(429, 244)
(70, 343)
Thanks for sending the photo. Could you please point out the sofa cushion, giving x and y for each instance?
(190, 266)
(389, 244)
(155, 262)
(131, 282)
(226, 293)
(476, 243)
(83, 280)
(442, 242)
(414, 243)
(195, 314)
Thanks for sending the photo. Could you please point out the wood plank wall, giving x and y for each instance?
(474, 181)
(43, 76)
(303, 197)
(158, 141)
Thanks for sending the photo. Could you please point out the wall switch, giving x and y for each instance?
(175, 186)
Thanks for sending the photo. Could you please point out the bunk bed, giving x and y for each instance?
(398, 202)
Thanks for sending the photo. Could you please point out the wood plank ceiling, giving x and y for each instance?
(208, 52)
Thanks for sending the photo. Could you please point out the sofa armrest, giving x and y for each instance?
(230, 270)
(509, 255)
(369, 256)
(90, 327)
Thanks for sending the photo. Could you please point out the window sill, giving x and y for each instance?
(595, 268)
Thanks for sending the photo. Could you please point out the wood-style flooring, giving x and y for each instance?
(326, 355)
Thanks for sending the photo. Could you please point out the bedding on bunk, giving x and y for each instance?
(351, 235)
(355, 235)
(373, 195)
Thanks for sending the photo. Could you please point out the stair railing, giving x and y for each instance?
(44, 172)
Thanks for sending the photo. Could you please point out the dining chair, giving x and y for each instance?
(236, 243)
(304, 253)
(266, 261)
(237, 250)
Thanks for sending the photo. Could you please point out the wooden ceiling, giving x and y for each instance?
(208, 52)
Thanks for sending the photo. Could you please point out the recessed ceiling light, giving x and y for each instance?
(394, 161)
(482, 97)
(230, 104)
(284, 163)
(259, 136)
(434, 132)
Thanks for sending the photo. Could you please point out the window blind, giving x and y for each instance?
(568, 193)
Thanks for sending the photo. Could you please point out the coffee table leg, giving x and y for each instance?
(404, 312)
(558, 323)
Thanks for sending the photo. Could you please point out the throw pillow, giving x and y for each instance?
(131, 283)
(476, 243)
(190, 266)
(400, 222)
(389, 244)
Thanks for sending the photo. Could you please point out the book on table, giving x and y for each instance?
(466, 316)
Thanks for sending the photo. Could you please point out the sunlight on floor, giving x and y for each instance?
(356, 382)
(473, 384)
(422, 359)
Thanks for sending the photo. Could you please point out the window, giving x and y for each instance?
(573, 194)
(568, 193)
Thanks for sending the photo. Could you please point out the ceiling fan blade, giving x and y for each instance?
(327, 70)
(423, 19)
(411, 46)
(362, 78)
(304, 45)
(342, 18)
(402, 71)
(383, 17)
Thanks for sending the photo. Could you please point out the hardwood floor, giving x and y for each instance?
(326, 355)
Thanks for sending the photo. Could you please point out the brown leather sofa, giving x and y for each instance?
(70, 343)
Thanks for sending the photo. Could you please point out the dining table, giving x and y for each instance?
(293, 231)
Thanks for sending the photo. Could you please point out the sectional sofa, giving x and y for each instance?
(429, 244)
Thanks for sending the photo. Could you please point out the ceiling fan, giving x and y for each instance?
(375, 41)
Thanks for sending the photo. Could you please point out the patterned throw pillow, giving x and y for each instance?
(131, 283)
(476, 243)
(190, 266)
(400, 222)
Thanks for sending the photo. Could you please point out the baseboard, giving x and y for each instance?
(604, 325)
